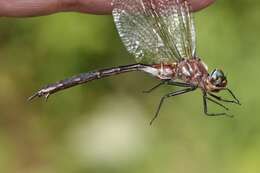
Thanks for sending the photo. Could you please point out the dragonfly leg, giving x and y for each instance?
(233, 95)
(205, 98)
(214, 101)
(180, 84)
(171, 94)
(168, 82)
(224, 100)
(154, 87)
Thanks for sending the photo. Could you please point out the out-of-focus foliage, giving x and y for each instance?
(104, 126)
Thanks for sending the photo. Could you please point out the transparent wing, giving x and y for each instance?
(155, 31)
(177, 17)
(141, 32)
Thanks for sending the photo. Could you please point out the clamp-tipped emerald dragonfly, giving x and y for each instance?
(161, 36)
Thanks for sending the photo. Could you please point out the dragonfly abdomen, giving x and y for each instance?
(89, 76)
(166, 71)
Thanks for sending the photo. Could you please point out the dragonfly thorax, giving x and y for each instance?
(192, 71)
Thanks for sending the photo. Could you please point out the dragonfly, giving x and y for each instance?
(160, 34)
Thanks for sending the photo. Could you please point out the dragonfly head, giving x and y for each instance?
(216, 81)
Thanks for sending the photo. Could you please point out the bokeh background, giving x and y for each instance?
(104, 126)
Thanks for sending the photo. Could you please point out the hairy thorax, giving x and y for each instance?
(192, 71)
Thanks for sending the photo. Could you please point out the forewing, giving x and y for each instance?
(155, 31)
(139, 31)
(177, 17)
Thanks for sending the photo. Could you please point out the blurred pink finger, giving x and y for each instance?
(22, 8)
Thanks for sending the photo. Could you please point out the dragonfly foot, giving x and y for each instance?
(230, 115)
(220, 114)
(237, 102)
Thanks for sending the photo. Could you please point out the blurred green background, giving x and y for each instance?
(104, 126)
